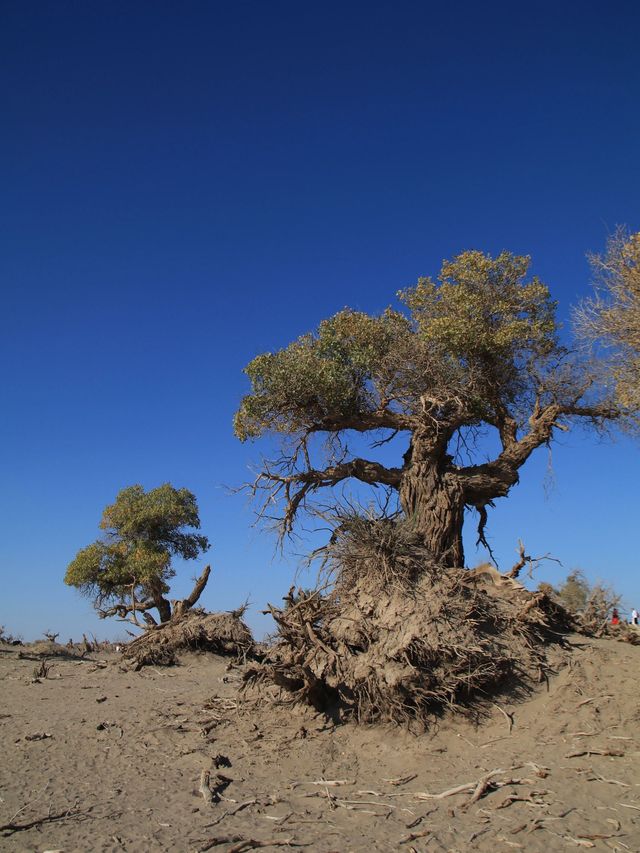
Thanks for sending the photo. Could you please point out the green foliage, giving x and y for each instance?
(611, 319)
(321, 376)
(143, 530)
(481, 333)
(594, 602)
(574, 592)
(483, 307)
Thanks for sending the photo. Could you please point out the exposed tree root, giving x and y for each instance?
(221, 633)
(399, 639)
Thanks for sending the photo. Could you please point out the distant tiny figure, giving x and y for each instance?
(615, 617)
(634, 617)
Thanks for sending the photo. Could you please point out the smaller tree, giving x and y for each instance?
(610, 320)
(127, 571)
(572, 594)
(592, 605)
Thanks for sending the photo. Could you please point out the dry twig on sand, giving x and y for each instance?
(52, 817)
(240, 844)
(459, 789)
(402, 780)
(614, 753)
(413, 836)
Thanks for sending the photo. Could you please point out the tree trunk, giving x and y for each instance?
(164, 608)
(434, 502)
(181, 607)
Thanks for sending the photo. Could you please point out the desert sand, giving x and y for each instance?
(97, 757)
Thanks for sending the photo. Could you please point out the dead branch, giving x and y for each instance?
(413, 836)
(217, 840)
(181, 607)
(252, 843)
(508, 717)
(402, 780)
(52, 817)
(525, 558)
(240, 844)
(481, 788)
(597, 778)
(459, 789)
(614, 753)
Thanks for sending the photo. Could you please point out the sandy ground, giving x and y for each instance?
(97, 758)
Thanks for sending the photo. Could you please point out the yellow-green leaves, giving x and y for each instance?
(330, 375)
(476, 335)
(483, 307)
(611, 319)
(143, 531)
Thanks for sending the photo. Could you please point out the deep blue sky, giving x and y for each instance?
(185, 185)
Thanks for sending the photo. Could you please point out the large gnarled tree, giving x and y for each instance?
(127, 572)
(476, 349)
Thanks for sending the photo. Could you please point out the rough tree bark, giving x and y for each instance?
(433, 500)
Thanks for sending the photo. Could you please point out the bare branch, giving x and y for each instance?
(482, 523)
(180, 607)
(294, 488)
(526, 559)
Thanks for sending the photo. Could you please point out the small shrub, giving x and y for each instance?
(41, 671)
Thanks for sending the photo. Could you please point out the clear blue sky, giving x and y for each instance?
(185, 185)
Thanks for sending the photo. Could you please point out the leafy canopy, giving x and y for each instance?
(611, 319)
(480, 335)
(143, 530)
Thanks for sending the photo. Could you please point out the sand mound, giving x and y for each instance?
(220, 633)
(399, 639)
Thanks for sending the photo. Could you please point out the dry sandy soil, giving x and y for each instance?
(98, 758)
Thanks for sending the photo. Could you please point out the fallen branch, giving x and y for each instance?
(512, 798)
(597, 778)
(614, 753)
(231, 812)
(508, 717)
(252, 843)
(240, 844)
(402, 780)
(414, 835)
(11, 827)
(459, 789)
(480, 789)
(217, 840)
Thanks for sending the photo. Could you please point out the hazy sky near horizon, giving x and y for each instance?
(186, 185)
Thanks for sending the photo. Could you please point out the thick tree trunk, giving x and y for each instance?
(434, 501)
(164, 608)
